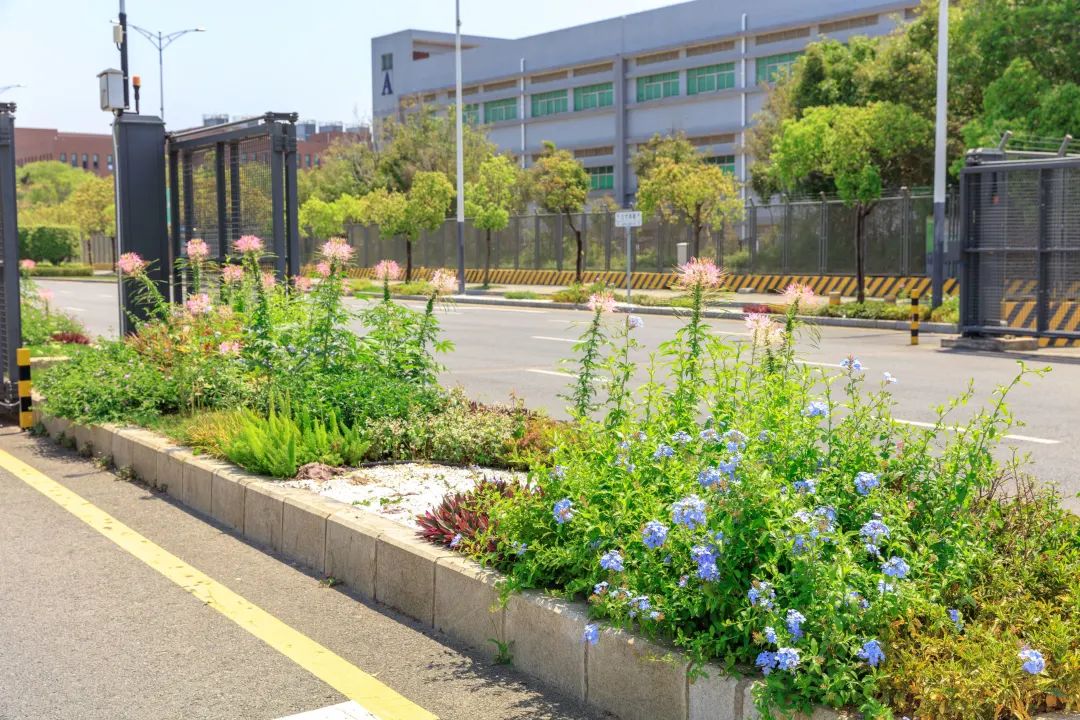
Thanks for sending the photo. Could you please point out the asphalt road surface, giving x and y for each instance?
(502, 352)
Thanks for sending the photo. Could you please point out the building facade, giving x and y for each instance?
(88, 151)
(601, 89)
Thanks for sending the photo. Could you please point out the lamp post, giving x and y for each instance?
(161, 41)
(5, 88)
(460, 152)
(940, 139)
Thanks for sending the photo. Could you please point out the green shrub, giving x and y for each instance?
(577, 293)
(871, 310)
(48, 243)
(521, 295)
(40, 323)
(948, 311)
(65, 270)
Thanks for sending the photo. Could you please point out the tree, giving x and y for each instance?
(346, 168)
(561, 185)
(93, 210)
(672, 147)
(47, 183)
(325, 220)
(406, 215)
(691, 191)
(858, 148)
(489, 200)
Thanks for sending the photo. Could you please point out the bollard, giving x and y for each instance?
(914, 318)
(26, 402)
(834, 297)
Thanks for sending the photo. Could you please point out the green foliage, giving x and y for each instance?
(577, 293)
(869, 310)
(675, 148)
(521, 295)
(65, 270)
(401, 214)
(346, 168)
(47, 183)
(426, 142)
(55, 244)
(325, 220)
(40, 323)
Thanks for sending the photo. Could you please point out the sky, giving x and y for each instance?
(311, 57)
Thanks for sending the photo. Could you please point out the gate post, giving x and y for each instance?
(9, 235)
(1042, 304)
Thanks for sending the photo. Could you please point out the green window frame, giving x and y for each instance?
(654, 87)
(710, 78)
(549, 103)
(768, 68)
(601, 177)
(500, 110)
(594, 96)
(470, 114)
(724, 162)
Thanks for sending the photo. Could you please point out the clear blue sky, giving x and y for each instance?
(309, 57)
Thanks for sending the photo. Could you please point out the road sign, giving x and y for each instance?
(628, 218)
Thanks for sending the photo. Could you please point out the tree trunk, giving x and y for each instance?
(580, 264)
(408, 260)
(487, 259)
(697, 240)
(860, 252)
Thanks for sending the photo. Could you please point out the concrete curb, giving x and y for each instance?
(925, 328)
(623, 674)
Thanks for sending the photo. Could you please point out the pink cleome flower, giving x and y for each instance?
(324, 269)
(27, 265)
(197, 250)
(302, 283)
(699, 272)
(764, 331)
(229, 347)
(443, 282)
(337, 250)
(46, 295)
(199, 304)
(269, 282)
(799, 294)
(387, 270)
(231, 274)
(248, 244)
(603, 302)
(131, 264)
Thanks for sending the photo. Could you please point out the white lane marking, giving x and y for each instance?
(345, 711)
(825, 364)
(556, 339)
(730, 332)
(503, 309)
(76, 309)
(953, 428)
(560, 373)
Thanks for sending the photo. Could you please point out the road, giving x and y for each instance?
(502, 352)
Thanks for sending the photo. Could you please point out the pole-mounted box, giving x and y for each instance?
(111, 89)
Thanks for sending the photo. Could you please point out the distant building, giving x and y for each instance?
(214, 119)
(305, 129)
(89, 151)
(309, 152)
(601, 89)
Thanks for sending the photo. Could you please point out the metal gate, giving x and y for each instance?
(1020, 245)
(10, 317)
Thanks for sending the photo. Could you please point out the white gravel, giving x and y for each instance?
(400, 492)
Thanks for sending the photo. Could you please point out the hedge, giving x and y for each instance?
(48, 243)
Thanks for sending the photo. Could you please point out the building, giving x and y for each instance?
(309, 151)
(89, 151)
(603, 88)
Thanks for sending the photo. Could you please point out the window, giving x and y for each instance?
(855, 22)
(85, 162)
(593, 69)
(593, 96)
(97, 161)
(710, 78)
(74, 159)
(594, 151)
(548, 77)
(307, 159)
(724, 162)
(656, 57)
(654, 87)
(63, 157)
(601, 178)
(549, 103)
(387, 61)
(782, 35)
(500, 110)
(504, 85)
(770, 67)
(470, 114)
(718, 139)
(715, 47)
(420, 55)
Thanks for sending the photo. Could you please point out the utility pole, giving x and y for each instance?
(161, 41)
(940, 137)
(123, 51)
(460, 154)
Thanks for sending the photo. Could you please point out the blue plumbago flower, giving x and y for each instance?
(799, 544)
(761, 594)
(957, 618)
(709, 572)
(816, 408)
(735, 440)
(770, 635)
(594, 544)
(895, 567)
(885, 587)
(656, 615)
(591, 634)
(851, 363)
(520, 548)
(558, 472)
(683, 580)
(794, 622)
(764, 436)
(729, 467)
(654, 534)
(690, 511)
(641, 602)
(871, 652)
(705, 557)
(611, 560)
(1033, 661)
(640, 436)
(874, 530)
(858, 599)
(872, 549)
(456, 541)
(889, 378)
(787, 659)
(709, 435)
(718, 536)
(865, 482)
(563, 510)
(680, 438)
(634, 322)
(826, 516)
(806, 487)
(708, 477)
(667, 559)
(766, 660)
(663, 451)
(803, 516)
(600, 588)
(624, 445)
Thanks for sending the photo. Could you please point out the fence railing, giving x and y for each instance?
(811, 237)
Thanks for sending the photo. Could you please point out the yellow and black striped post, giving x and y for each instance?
(26, 402)
(915, 317)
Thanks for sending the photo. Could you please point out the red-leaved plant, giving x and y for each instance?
(464, 514)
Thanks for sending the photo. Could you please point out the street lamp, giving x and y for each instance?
(162, 41)
(5, 88)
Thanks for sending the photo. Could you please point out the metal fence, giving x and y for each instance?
(1020, 234)
(801, 237)
(10, 312)
(236, 179)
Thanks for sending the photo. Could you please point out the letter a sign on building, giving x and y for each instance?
(386, 88)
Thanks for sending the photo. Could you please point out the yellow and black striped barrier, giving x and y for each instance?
(26, 401)
(915, 318)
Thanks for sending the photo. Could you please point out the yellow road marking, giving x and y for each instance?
(324, 664)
